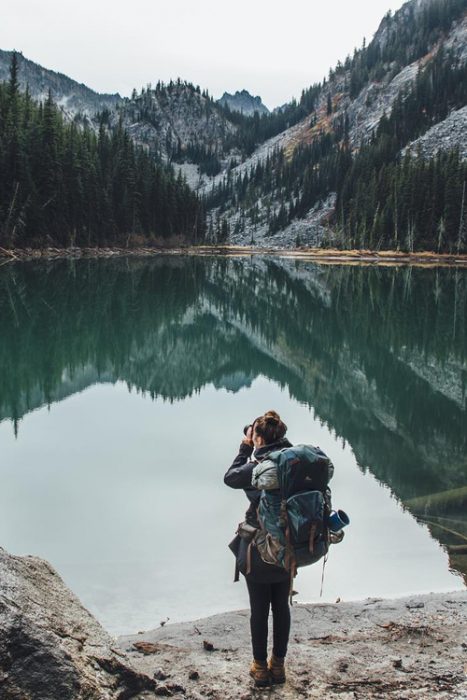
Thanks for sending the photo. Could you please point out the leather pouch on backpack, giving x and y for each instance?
(269, 548)
(246, 531)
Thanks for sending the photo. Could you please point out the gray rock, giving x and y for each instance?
(309, 231)
(51, 647)
(448, 134)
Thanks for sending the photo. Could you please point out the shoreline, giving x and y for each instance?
(396, 649)
(401, 648)
(318, 255)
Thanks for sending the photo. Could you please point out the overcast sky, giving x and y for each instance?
(269, 47)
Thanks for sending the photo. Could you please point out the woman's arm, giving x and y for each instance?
(238, 475)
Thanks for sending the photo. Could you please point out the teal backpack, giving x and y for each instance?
(293, 517)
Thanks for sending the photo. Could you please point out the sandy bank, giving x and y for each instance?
(413, 647)
(319, 255)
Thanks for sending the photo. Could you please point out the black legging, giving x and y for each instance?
(262, 597)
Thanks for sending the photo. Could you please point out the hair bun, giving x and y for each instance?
(272, 416)
(270, 427)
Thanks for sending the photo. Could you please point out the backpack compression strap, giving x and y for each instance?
(289, 563)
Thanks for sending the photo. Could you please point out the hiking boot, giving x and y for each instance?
(277, 670)
(260, 674)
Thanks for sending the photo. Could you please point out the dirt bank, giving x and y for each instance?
(406, 648)
(320, 255)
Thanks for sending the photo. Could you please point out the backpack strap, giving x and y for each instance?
(237, 572)
(290, 563)
(248, 558)
(311, 542)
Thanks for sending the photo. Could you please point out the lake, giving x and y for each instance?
(124, 388)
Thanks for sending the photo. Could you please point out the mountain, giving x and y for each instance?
(72, 98)
(375, 156)
(336, 175)
(179, 123)
(244, 103)
(175, 122)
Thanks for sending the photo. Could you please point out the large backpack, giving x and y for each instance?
(293, 518)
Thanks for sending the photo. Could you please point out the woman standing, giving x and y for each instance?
(268, 585)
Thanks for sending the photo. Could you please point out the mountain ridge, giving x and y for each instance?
(72, 97)
(243, 102)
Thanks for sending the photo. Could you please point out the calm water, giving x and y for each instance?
(124, 387)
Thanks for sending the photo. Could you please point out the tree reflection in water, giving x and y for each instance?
(379, 353)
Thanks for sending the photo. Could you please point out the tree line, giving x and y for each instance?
(66, 184)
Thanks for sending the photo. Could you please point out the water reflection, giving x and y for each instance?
(380, 354)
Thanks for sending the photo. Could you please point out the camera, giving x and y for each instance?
(246, 428)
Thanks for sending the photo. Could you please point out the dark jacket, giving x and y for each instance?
(238, 476)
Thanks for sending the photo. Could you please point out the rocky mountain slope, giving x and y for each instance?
(349, 109)
(244, 103)
(452, 131)
(176, 121)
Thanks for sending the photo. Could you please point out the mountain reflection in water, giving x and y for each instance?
(379, 353)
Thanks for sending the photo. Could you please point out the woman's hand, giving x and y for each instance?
(248, 439)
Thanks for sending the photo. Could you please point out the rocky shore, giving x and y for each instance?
(322, 255)
(51, 648)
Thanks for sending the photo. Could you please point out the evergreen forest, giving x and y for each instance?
(68, 185)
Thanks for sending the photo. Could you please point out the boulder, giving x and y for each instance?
(51, 647)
